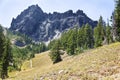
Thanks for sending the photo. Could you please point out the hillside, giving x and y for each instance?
(102, 63)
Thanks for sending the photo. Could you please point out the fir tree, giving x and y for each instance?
(71, 43)
(5, 55)
(88, 33)
(55, 52)
(2, 51)
(7, 58)
(109, 34)
(81, 37)
(99, 33)
(117, 20)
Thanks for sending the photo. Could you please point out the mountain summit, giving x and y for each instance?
(41, 26)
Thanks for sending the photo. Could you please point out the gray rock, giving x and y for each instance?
(41, 26)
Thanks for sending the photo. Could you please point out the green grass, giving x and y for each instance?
(101, 63)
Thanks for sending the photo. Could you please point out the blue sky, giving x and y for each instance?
(93, 8)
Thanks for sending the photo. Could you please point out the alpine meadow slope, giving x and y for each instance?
(101, 63)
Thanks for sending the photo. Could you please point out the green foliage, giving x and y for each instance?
(99, 33)
(76, 40)
(81, 37)
(38, 48)
(20, 55)
(7, 59)
(117, 20)
(55, 53)
(24, 49)
(26, 53)
(88, 34)
(108, 34)
(5, 55)
(71, 43)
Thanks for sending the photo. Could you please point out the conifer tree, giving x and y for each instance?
(81, 37)
(2, 49)
(55, 52)
(71, 43)
(109, 34)
(5, 54)
(117, 20)
(89, 41)
(99, 33)
(7, 58)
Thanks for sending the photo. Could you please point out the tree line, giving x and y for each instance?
(75, 40)
(78, 39)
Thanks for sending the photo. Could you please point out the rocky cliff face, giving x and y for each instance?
(41, 26)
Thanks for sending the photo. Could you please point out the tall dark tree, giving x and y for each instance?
(89, 40)
(7, 58)
(55, 52)
(5, 54)
(81, 37)
(71, 43)
(109, 37)
(99, 33)
(2, 50)
(117, 20)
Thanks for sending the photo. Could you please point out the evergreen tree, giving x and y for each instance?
(99, 33)
(55, 52)
(109, 34)
(7, 58)
(5, 55)
(117, 20)
(64, 40)
(88, 33)
(71, 43)
(81, 37)
(2, 50)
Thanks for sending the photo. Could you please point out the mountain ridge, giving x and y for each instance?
(42, 26)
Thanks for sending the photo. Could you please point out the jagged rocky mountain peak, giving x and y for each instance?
(41, 26)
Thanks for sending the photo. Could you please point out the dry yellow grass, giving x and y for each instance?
(102, 63)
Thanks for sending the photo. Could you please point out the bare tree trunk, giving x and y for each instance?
(30, 63)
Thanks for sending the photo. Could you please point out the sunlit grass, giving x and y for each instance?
(100, 63)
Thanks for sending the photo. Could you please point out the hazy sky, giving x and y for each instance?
(93, 8)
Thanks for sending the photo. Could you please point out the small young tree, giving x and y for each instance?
(55, 53)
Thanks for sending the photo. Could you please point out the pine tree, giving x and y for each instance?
(64, 40)
(89, 41)
(81, 37)
(2, 49)
(117, 20)
(5, 55)
(109, 34)
(55, 52)
(99, 33)
(71, 43)
(7, 58)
